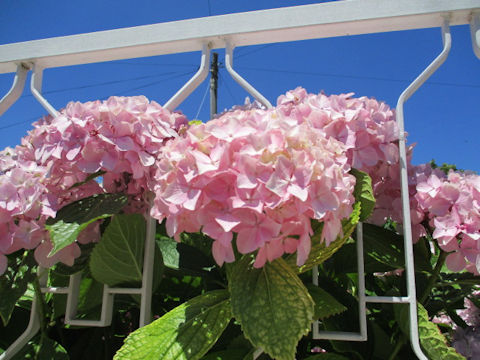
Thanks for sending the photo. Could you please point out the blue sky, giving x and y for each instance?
(443, 117)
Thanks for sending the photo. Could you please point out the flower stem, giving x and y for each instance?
(398, 346)
(434, 277)
(41, 304)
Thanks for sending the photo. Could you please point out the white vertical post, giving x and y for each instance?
(147, 278)
(407, 229)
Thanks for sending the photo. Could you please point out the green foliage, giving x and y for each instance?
(432, 340)
(183, 256)
(186, 332)
(118, 257)
(325, 304)
(44, 349)
(79, 264)
(319, 251)
(75, 217)
(363, 193)
(89, 297)
(272, 305)
(327, 356)
(13, 283)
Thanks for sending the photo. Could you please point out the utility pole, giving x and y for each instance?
(213, 84)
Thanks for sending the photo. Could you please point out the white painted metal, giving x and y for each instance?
(407, 226)
(362, 314)
(16, 90)
(240, 80)
(475, 32)
(193, 83)
(339, 18)
(147, 275)
(36, 89)
(267, 26)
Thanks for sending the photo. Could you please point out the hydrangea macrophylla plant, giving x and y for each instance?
(259, 174)
(452, 205)
(251, 180)
(119, 138)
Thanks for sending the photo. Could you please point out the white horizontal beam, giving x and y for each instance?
(340, 18)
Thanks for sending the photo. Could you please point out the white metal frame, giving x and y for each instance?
(349, 17)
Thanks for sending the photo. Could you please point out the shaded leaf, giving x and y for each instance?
(230, 354)
(432, 340)
(386, 247)
(383, 245)
(272, 305)
(118, 257)
(363, 193)
(44, 348)
(75, 217)
(325, 304)
(327, 356)
(186, 332)
(14, 282)
(179, 255)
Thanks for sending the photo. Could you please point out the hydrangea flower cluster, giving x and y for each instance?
(119, 138)
(259, 174)
(23, 198)
(366, 127)
(465, 340)
(453, 206)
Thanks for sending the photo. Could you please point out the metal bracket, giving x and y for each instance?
(475, 32)
(193, 83)
(240, 80)
(17, 88)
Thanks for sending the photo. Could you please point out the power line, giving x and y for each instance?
(112, 82)
(136, 88)
(149, 64)
(209, 8)
(353, 76)
(19, 123)
(157, 82)
(253, 50)
(203, 100)
(223, 81)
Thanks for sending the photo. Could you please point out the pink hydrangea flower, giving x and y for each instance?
(120, 137)
(259, 174)
(452, 205)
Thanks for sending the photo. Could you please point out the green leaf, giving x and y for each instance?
(186, 332)
(432, 340)
(272, 305)
(90, 294)
(363, 193)
(183, 256)
(344, 261)
(325, 304)
(88, 178)
(118, 257)
(42, 348)
(384, 246)
(13, 283)
(327, 356)
(75, 217)
(230, 354)
(319, 251)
